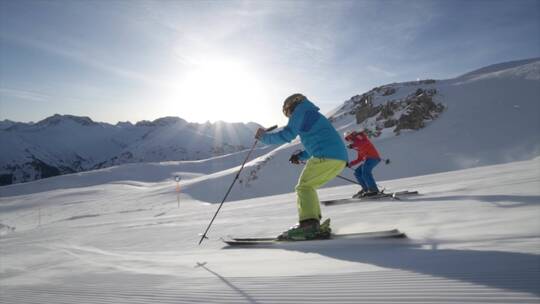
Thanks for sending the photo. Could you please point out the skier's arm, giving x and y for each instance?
(356, 161)
(358, 146)
(284, 136)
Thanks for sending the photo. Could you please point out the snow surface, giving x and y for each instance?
(473, 238)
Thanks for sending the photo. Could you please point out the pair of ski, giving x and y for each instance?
(251, 241)
(394, 233)
(382, 195)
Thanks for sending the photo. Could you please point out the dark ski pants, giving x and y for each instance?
(364, 174)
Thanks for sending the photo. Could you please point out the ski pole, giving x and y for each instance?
(177, 179)
(232, 184)
(349, 180)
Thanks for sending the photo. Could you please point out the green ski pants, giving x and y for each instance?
(316, 173)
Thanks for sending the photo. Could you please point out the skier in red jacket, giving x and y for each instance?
(368, 157)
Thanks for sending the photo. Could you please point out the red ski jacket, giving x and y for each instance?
(362, 144)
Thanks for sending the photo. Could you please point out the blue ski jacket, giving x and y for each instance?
(319, 137)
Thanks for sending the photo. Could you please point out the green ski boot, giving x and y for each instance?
(325, 231)
(309, 229)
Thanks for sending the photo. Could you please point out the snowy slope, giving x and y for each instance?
(473, 238)
(64, 144)
(139, 173)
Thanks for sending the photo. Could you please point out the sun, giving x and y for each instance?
(220, 89)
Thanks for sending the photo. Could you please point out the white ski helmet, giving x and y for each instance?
(349, 135)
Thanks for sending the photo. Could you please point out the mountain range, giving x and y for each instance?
(63, 144)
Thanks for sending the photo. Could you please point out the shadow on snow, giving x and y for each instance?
(513, 271)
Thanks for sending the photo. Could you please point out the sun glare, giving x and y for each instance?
(220, 89)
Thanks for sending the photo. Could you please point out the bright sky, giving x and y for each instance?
(236, 61)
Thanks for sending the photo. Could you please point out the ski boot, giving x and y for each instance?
(310, 229)
(371, 193)
(359, 194)
(325, 230)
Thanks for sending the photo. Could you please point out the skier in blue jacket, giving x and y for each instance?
(326, 157)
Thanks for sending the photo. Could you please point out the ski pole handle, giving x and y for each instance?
(271, 128)
(260, 132)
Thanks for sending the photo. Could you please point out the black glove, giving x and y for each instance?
(295, 159)
(350, 146)
(260, 133)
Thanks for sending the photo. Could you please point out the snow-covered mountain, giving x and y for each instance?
(66, 144)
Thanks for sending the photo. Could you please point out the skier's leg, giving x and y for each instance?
(316, 173)
(367, 174)
(358, 173)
